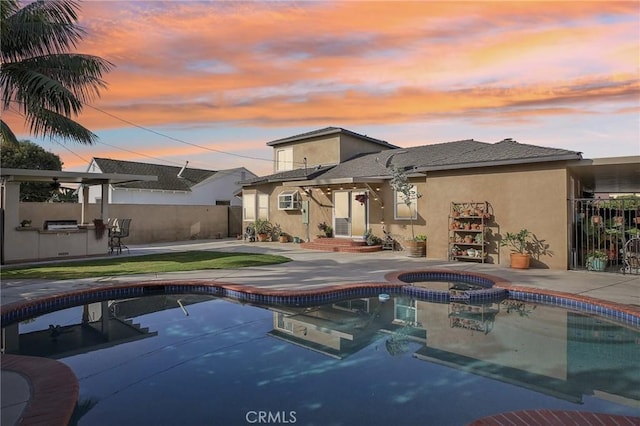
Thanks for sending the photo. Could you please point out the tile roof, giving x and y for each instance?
(329, 131)
(443, 156)
(168, 179)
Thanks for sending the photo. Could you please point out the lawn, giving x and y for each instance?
(129, 265)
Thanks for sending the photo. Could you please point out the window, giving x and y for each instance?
(249, 207)
(223, 202)
(282, 324)
(284, 159)
(255, 206)
(405, 311)
(401, 210)
(263, 206)
(289, 200)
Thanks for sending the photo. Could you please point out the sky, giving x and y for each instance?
(212, 82)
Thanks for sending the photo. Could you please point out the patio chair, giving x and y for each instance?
(119, 231)
(631, 256)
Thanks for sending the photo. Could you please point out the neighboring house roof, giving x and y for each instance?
(329, 131)
(443, 156)
(168, 179)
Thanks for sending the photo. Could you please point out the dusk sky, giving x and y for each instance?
(212, 82)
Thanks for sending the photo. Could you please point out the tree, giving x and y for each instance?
(39, 79)
(400, 183)
(28, 155)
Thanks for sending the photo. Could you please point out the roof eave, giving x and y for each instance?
(566, 157)
(335, 181)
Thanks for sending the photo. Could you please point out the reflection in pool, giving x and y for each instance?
(190, 359)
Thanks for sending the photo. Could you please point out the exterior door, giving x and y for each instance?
(349, 215)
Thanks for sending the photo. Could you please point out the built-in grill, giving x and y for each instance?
(60, 225)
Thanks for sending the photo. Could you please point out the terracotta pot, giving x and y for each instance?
(263, 237)
(468, 239)
(596, 219)
(520, 261)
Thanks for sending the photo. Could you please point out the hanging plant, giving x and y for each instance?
(361, 198)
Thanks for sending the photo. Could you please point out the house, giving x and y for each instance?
(175, 185)
(336, 177)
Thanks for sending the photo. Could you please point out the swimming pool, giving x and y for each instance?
(197, 359)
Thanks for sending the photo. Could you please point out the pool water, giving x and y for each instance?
(192, 360)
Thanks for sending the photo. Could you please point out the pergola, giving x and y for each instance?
(38, 244)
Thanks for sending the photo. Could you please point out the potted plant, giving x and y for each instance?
(284, 237)
(417, 247)
(262, 229)
(520, 257)
(597, 260)
(371, 239)
(25, 223)
(326, 229)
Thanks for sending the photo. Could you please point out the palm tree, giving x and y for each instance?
(39, 78)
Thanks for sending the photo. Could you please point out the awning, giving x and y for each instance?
(30, 175)
(609, 175)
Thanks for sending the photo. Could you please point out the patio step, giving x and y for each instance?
(340, 245)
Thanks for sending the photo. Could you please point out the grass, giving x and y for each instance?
(130, 265)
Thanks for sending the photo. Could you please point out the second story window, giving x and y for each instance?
(284, 159)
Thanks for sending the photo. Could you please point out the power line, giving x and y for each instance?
(174, 138)
(229, 173)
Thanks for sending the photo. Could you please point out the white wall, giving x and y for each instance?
(221, 186)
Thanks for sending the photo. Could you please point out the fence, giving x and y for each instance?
(149, 223)
(604, 234)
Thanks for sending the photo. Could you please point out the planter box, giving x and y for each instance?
(416, 248)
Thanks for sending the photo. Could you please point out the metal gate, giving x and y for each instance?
(605, 235)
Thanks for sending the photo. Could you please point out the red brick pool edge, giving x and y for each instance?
(555, 418)
(53, 388)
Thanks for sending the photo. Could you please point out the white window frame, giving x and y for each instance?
(284, 159)
(282, 323)
(262, 206)
(399, 201)
(289, 200)
(255, 205)
(249, 206)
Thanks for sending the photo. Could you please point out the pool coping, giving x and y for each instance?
(53, 387)
(50, 392)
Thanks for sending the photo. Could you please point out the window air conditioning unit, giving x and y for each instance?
(289, 200)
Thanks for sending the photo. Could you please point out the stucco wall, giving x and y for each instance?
(326, 150)
(351, 146)
(150, 223)
(525, 196)
(318, 151)
(531, 197)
